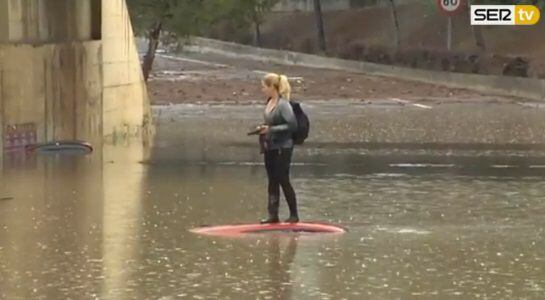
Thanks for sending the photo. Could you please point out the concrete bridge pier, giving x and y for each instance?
(69, 70)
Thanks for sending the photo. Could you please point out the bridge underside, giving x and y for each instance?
(68, 70)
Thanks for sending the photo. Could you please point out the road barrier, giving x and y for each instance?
(530, 88)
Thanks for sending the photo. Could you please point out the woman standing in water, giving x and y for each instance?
(280, 124)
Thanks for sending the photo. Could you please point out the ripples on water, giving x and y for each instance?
(82, 232)
(114, 225)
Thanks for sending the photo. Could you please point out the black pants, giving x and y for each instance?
(277, 163)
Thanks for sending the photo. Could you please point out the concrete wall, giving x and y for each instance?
(57, 87)
(40, 21)
(4, 28)
(60, 82)
(502, 85)
(1, 119)
(125, 96)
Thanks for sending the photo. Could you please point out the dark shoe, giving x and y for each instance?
(292, 203)
(272, 208)
(292, 219)
(270, 220)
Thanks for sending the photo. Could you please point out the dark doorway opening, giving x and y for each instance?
(96, 19)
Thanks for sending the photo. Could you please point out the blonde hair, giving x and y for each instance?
(280, 83)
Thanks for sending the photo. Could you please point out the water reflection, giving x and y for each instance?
(46, 231)
(280, 265)
(72, 225)
(111, 227)
(122, 213)
(114, 224)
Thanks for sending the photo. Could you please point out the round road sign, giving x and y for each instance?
(450, 7)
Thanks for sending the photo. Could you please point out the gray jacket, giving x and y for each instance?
(282, 124)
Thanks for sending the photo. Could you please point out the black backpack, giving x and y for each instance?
(303, 124)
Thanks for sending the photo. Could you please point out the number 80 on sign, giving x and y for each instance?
(450, 7)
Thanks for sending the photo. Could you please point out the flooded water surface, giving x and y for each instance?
(114, 224)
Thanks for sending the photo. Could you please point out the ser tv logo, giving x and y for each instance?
(504, 15)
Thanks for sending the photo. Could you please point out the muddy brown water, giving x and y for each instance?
(114, 224)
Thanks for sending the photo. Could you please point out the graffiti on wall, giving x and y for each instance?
(17, 136)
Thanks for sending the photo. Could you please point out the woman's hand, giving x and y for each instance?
(264, 129)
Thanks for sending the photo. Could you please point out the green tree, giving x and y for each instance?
(181, 18)
(257, 10)
(246, 13)
(320, 25)
(150, 18)
(396, 23)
